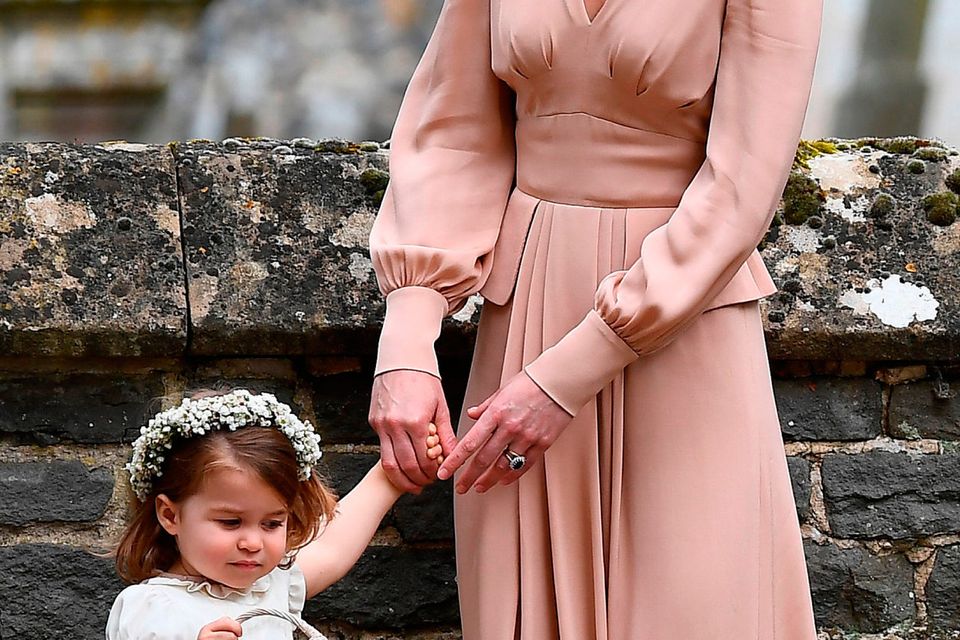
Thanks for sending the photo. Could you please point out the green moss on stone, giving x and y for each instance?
(903, 144)
(953, 181)
(802, 198)
(374, 180)
(808, 149)
(941, 208)
(916, 166)
(882, 206)
(931, 154)
(368, 145)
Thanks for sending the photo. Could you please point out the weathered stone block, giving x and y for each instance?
(896, 495)
(943, 589)
(918, 411)
(79, 407)
(822, 408)
(61, 491)
(800, 481)
(392, 588)
(865, 273)
(276, 247)
(52, 591)
(857, 591)
(90, 258)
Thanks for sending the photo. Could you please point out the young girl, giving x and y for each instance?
(225, 502)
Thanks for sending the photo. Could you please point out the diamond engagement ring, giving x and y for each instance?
(515, 459)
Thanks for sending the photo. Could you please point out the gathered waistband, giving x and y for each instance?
(579, 159)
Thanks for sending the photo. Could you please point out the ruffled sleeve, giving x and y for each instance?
(452, 163)
(767, 55)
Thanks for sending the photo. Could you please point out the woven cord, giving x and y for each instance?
(304, 630)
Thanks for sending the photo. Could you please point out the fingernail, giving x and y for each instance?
(481, 489)
(443, 474)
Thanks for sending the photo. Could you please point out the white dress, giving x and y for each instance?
(170, 607)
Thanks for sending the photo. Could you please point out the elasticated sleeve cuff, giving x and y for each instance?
(575, 369)
(411, 326)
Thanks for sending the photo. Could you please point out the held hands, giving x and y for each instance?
(221, 629)
(402, 406)
(518, 416)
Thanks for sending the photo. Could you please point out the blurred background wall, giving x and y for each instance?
(160, 70)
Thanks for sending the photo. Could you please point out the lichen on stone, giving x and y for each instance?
(802, 198)
(808, 149)
(941, 208)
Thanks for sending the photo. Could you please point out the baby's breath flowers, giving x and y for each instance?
(239, 408)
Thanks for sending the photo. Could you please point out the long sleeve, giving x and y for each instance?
(767, 54)
(452, 165)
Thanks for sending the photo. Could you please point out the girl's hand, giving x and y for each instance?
(402, 405)
(434, 448)
(520, 416)
(221, 629)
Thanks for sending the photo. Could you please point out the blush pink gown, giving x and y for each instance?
(602, 178)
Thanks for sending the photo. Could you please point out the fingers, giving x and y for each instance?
(390, 464)
(489, 456)
(470, 444)
(475, 412)
(224, 628)
(448, 439)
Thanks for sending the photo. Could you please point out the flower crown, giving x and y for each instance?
(236, 409)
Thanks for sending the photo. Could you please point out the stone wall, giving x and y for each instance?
(131, 272)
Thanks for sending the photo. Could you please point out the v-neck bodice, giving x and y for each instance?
(617, 103)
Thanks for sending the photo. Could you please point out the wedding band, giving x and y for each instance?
(515, 459)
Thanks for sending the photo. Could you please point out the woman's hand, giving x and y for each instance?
(221, 629)
(403, 403)
(520, 416)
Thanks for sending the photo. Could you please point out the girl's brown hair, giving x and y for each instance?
(145, 547)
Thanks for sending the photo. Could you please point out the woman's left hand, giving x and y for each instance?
(519, 415)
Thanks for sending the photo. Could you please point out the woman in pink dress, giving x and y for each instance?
(601, 173)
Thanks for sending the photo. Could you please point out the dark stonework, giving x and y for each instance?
(341, 402)
(896, 495)
(857, 591)
(62, 491)
(92, 237)
(343, 471)
(800, 481)
(392, 588)
(423, 518)
(823, 408)
(943, 589)
(52, 591)
(81, 407)
(918, 410)
(426, 517)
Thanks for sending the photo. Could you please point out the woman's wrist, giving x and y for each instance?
(410, 327)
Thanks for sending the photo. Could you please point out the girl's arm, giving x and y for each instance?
(330, 555)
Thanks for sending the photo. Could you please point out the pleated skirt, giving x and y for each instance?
(664, 511)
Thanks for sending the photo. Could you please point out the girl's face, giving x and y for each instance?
(233, 531)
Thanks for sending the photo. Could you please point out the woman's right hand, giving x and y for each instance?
(224, 628)
(403, 403)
